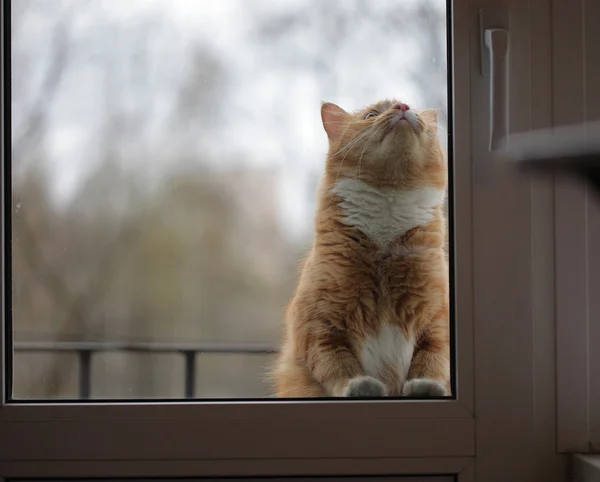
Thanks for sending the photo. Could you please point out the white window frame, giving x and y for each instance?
(502, 425)
(577, 235)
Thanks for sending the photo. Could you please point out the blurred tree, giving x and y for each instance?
(198, 102)
(333, 25)
(29, 112)
(123, 257)
(428, 23)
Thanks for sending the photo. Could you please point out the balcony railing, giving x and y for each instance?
(86, 350)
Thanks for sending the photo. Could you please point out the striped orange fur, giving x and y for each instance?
(370, 315)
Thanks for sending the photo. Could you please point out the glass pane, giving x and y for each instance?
(166, 165)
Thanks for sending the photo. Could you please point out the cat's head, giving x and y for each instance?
(385, 144)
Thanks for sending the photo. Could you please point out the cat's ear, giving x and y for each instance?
(333, 118)
(431, 117)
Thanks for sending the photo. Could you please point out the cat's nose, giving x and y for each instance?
(401, 106)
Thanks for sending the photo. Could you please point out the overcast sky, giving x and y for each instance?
(271, 114)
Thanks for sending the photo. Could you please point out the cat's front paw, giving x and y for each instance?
(365, 387)
(423, 387)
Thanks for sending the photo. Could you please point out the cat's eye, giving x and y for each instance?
(371, 114)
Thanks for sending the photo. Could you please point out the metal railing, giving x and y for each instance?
(86, 350)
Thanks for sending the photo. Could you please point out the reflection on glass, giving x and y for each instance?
(166, 157)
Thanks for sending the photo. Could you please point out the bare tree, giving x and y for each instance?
(29, 132)
(76, 255)
(29, 135)
(431, 71)
(333, 23)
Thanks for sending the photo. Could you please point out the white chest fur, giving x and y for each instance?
(389, 348)
(386, 214)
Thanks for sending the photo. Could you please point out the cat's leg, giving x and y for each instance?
(293, 380)
(365, 386)
(337, 369)
(429, 373)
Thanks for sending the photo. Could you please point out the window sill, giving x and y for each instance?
(586, 468)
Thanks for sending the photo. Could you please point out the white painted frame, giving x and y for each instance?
(48, 439)
(577, 232)
(502, 426)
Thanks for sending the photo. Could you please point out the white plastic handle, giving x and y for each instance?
(496, 40)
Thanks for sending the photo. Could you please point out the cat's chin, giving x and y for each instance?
(401, 137)
(401, 123)
(405, 128)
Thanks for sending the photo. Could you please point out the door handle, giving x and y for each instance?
(496, 41)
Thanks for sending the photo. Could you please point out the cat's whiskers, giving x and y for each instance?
(352, 143)
(375, 133)
(348, 146)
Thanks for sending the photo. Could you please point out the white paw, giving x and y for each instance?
(423, 387)
(365, 387)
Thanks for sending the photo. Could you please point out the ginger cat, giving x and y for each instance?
(370, 316)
